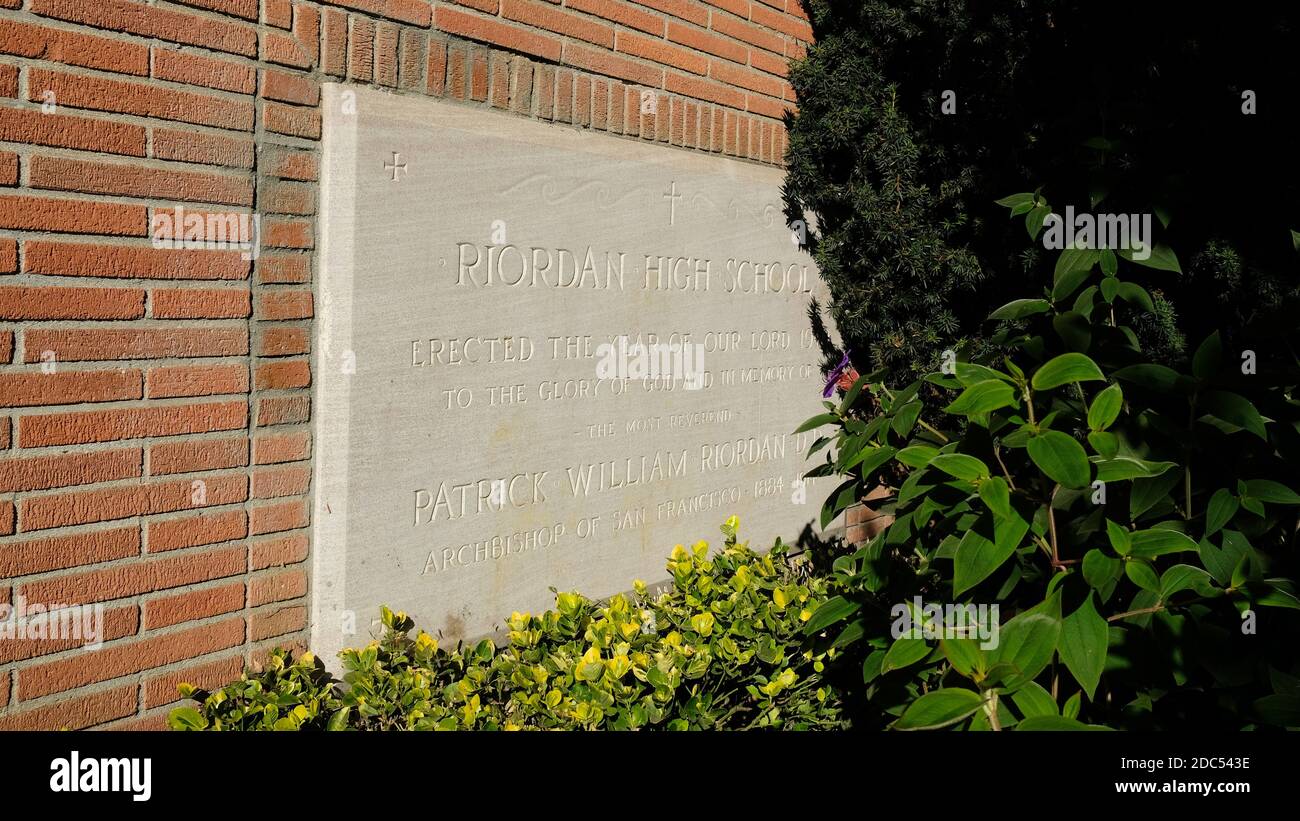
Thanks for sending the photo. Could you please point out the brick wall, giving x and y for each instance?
(154, 402)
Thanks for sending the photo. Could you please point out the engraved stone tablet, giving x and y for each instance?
(545, 357)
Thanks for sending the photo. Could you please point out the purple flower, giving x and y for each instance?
(834, 378)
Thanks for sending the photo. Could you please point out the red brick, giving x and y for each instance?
(196, 380)
(72, 216)
(500, 80)
(701, 40)
(334, 37)
(166, 611)
(283, 410)
(620, 12)
(274, 483)
(291, 120)
(281, 341)
(148, 21)
(611, 65)
(122, 179)
(685, 9)
(147, 575)
(142, 99)
(8, 168)
(458, 72)
(118, 623)
(478, 75)
(278, 552)
(283, 375)
(544, 86)
(285, 197)
(277, 587)
(93, 260)
(286, 233)
(199, 70)
(492, 30)
(124, 659)
(70, 303)
(275, 518)
(436, 70)
(193, 531)
(63, 552)
(197, 454)
(746, 78)
(766, 106)
(130, 423)
(81, 711)
(361, 50)
(94, 344)
(8, 515)
(764, 61)
(780, 22)
(279, 161)
(162, 689)
(283, 447)
(246, 9)
(582, 98)
(193, 303)
(289, 88)
(196, 147)
(406, 11)
(284, 268)
(564, 84)
(285, 49)
(702, 89)
(73, 48)
(660, 51)
(540, 15)
(5, 433)
(278, 13)
(748, 32)
(264, 625)
(20, 390)
(68, 469)
(386, 55)
(411, 68)
(284, 305)
(83, 507)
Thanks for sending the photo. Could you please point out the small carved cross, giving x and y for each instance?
(395, 166)
(672, 196)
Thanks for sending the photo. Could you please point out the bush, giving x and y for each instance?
(723, 649)
(1134, 523)
(1105, 117)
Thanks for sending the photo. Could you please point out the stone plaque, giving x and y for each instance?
(545, 357)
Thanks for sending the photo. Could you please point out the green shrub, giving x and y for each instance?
(1134, 523)
(723, 649)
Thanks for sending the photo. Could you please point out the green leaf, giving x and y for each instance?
(1208, 358)
(1162, 258)
(1074, 329)
(977, 556)
(339, 721)
(834, 609)
(817, 421)
(1132, 292)
(982, 397)
(839, 500)
(1105, 408)
(1073, 261)
(1147, 544)
(1181, 577)
(1021, 308)
(917, 456)
(1269, 491)
(1146, 492)
(1223, 506)
(1034, 221)
(997, 495)
(1109, 264)
(1141, 573)
(1013, 200)
(964, 655)
(1235, 409)
(187, 718)
(1056, 724)
(1066, 368)
(1154, 377)
(868, 459)
(1123, 468)
(1105, 443)
(1034, 701)
(1061, 458)
(903, 653)
(905, 419)
(1120, 539)
(939, 708)
(1026, 643)
(960, 465)
(1084, 638)
(1099, 570)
